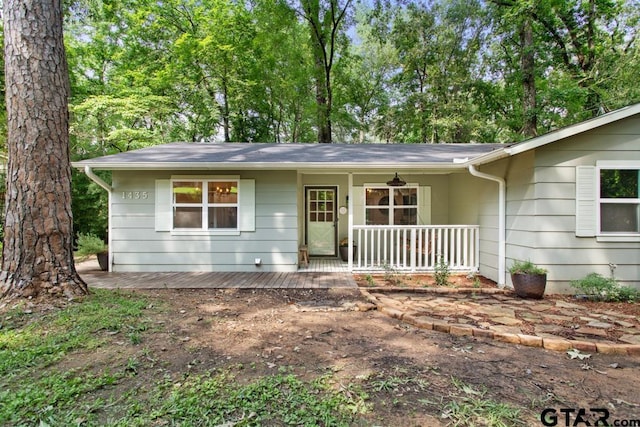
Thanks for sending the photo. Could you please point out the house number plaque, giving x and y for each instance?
(135, 195)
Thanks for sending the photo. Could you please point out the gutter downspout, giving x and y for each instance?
(95, 178)
(350, 221)
(502, 241)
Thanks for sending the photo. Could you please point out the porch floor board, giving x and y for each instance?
(323, 275)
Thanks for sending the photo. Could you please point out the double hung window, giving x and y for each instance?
(205, 204)
(391, 205)
(619, 200)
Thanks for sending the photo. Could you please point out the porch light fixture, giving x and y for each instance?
(396, 182)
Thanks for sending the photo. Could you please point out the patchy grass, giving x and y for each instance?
(38, 388)
(249, 358)
(280, 399)
(471, 408)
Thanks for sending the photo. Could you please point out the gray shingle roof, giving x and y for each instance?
(192, 155)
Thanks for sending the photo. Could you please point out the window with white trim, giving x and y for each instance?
(205, 204)
(619, 200)
(391, 205)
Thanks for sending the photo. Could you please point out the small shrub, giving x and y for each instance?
(370, 280)
(442, 273)
(391, 275)
(526, 267)
(476, 282)
(603, 288)
(90, 244)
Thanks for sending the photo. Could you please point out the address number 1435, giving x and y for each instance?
(135, 195)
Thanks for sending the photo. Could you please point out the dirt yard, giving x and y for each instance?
(409, 374)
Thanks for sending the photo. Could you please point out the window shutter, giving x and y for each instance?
(164, 215)
(247, 204)
(586, 201)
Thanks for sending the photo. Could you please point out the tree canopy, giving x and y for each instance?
(150, 72)
(410, 71)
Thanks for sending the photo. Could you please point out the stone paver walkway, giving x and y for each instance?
(551, 323)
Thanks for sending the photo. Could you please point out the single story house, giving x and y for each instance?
(568, 201)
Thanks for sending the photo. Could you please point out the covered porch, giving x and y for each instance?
(428, 220)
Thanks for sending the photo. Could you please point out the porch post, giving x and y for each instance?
(350, 220)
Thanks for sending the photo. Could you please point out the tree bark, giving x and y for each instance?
(324, 28)
(38, 252)
(527, 64)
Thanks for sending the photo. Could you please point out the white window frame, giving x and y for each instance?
(391, 205)
(205, 205)
(614, 236)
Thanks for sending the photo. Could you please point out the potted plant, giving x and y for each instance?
(90, 244)
(343, 247)
(529, 280)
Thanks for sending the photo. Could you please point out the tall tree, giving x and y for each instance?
(438, 47)
(326, 19)
(570, 59)
(362, 88)
(38, 250)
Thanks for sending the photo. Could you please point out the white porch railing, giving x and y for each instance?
(416, 248)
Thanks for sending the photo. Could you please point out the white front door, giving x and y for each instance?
(321, 221)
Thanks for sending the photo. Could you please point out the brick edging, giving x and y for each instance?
(442, 290)
(555, 344)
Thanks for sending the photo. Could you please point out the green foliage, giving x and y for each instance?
(392, 275)
(619, 183)
(472, 408)
(526, 267)
(37, 386)
(370, 280)
(26, 342)
(450, 71)
(90, 205)
(603, 288)
(269, 400)
(90, 244)
(441, 273)
(43, 398)
(32, 387)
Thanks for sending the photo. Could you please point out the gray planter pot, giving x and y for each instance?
(344, 252)
(103, 260)
(529, 285)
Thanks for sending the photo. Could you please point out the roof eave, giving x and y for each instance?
(488, 157)
(261, 166)
(573, 130)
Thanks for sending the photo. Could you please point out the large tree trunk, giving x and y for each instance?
(322, 103)
(38, 252)
(527, 63)
(324, 27)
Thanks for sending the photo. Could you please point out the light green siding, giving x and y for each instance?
(137, 246)
(475, 201)
(541, 207)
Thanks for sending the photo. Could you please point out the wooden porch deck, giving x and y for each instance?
(309, 278)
